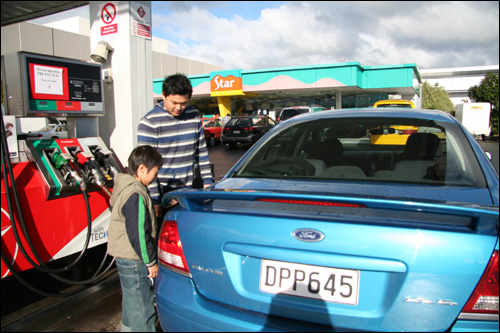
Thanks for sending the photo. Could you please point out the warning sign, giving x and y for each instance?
(141, 30)
(108, 15)
(109, 29)
(141, 20)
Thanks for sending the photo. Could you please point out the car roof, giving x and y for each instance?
(303, 107)
(250, 116)
(374, 112)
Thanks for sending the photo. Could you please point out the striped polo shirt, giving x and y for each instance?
(179, 140)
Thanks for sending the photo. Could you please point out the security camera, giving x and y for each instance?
(101, 52)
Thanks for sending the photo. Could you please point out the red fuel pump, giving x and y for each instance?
(54, 192)
(55, 205)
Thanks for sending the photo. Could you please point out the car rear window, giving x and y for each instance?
(289, 113)
(239, 122)
(400, 150)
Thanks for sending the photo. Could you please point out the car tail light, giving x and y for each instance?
(40, 135)
(278, 120)
(170, 251)
(312, 202)
(407, 131)
(484, 299)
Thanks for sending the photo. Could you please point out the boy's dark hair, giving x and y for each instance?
(146, 155)
(177, 84)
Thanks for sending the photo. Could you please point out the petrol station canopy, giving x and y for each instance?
(341, 85)
(19, 11)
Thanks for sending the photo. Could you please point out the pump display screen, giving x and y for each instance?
(58, 86)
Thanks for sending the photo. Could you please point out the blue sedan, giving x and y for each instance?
(326, 225)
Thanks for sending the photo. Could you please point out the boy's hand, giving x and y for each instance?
(153, 271)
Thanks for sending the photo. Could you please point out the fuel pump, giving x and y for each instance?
(45, 223)
(62, 166)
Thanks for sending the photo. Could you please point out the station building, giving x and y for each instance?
(333, 86)
(457, 81)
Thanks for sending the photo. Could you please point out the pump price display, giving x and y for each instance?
(325, 283)
(54, 85)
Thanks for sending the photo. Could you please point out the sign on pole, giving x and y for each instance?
(108, 15)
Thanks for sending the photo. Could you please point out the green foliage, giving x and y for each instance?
(488, 91)
(436, 98)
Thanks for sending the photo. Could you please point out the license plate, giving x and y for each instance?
(236, 132)
(325, 283)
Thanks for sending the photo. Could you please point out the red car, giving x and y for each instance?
(212, 127)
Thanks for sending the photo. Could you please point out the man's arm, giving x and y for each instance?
(147, 134)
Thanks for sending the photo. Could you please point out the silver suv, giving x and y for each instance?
(293, 111)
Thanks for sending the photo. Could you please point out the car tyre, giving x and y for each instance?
(211, 141)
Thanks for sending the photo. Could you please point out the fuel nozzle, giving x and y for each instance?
(94, 169)
(61, 162)
(102, 157)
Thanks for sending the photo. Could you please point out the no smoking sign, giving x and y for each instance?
(108, 13)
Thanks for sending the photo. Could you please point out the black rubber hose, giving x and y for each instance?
(6, 165)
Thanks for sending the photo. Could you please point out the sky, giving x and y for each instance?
(269, 34)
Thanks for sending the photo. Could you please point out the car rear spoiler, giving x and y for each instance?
(483, 216)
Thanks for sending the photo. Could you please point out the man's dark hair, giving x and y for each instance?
(177, 84)
(146, 155)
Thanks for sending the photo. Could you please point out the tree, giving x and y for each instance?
(436, 98)
(487, 91)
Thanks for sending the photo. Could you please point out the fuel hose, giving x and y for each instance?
(7, 166)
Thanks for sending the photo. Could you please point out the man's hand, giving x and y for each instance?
(158, 210)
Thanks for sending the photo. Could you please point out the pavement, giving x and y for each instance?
(97, 309)
(102, 315)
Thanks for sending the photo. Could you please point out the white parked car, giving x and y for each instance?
(51, 131)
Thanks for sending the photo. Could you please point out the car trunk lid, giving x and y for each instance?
(385, 264)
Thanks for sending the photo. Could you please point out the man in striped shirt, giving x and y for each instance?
(176, 131)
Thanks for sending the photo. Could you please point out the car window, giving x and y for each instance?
(289, 113)
(238, 122)
(258, 121)
(46, 128)
(371, 150)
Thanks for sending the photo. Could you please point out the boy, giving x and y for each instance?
(132, 239)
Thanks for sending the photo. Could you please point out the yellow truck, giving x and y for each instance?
(395, 135)
(394, 103)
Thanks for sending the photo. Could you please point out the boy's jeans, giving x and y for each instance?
(138, 310)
